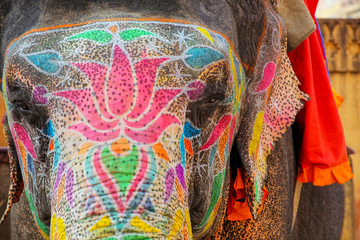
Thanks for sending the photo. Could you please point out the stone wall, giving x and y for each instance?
(342, 45)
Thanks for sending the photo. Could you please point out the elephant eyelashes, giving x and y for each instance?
(23, 110)
(217, 98)
(214, 94)
(19, 100)
(22, 107)
(213, 98)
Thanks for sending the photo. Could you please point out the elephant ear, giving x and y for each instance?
(273, 99)
(16, 181)
(4, 9)
(16, 185)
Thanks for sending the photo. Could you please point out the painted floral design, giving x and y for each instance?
(122, 97)
(126, 86)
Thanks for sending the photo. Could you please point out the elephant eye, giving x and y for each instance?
(215, 98)
(19, 98)
(22, 106)
(202, 110)
(24, 111)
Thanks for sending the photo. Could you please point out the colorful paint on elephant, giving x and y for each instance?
(122, 143)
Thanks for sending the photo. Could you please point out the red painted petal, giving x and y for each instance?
(25, 139)
(97, 75)
(83, 100)
(120, 89)
(268, 76)
(152, 133)
(218, 130)
(146, 71)
(161, 99)
(96, 136)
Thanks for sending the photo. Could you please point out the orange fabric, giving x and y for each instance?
(325, 176)
(338, 98)
(238, 208)
(2, 114)
(323, 157)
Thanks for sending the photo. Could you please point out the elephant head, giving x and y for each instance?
(122, 127)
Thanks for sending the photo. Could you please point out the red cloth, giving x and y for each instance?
(323, 157)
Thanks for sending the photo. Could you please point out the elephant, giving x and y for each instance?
(126, 119)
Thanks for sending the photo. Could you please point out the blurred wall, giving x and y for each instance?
(338, 9)
(342, 45)
(4, 178)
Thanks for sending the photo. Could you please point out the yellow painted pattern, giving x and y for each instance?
(57, 229)
(53, 226)
(177, 224)
(238, 93)
(234, 70)
(138, 223)
(188, 223)
(256, 134)
(61, 229)
(206, 33)
(104, 222)
(241, 85)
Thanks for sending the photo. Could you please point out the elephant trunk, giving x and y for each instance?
(119, 190)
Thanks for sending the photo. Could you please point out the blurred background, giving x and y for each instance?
(339, 22)
(338, 9)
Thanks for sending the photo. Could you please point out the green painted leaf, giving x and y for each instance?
(135, 237)
(215, 195)
(132, 34)
(123, 169)
(256, 190)
(95, 35)
(40, 224)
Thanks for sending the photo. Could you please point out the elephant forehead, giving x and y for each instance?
(185, 48)
(124, 70)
